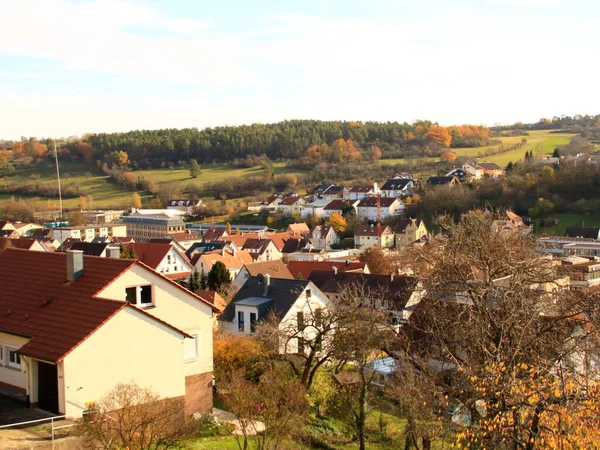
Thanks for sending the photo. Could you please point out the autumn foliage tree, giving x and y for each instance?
(439, 134)
(448, 156)
(337, 222)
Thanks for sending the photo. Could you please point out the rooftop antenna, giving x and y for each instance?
(58, 178)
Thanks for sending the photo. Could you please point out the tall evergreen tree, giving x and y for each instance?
(194, 282)
(218, 277)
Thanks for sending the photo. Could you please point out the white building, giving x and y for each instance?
(389, 207)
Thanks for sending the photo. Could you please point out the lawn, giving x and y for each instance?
(568, 220)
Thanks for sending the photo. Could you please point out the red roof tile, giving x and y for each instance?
(305, 268)
(150, 253)
(36, 300)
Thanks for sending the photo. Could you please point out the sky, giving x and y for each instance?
(69, 67)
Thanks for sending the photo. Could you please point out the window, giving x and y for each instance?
(190, 347)
(240, 320)
(131, 295)
(146, 295)
(14, 359)
(168, 259)
(252, 321)
(308, 293)
(300, 320)
(139, 295)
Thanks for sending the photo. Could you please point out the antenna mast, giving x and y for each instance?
(58, 177)
(379, 237)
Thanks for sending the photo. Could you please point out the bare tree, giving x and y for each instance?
(495, 315)
(276, 400)
(132, 417)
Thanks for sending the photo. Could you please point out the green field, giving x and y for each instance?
(542, 143)
(106, 194)
(567, 220)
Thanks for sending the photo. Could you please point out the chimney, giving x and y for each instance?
(267, 284)
(74, 264)
(335, 269)
(392, 277)
(113, 252)
(234, 251)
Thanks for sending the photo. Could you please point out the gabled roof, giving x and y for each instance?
(372, 230)
(403, 224)
(384, 202)
(303, 269)
(396, 288)
(22, 243)
(583, 232)
(239, 239)
(361, 189)
(54, 313)
(150, 254)
(439, 181)
(283, 293)
(212, 297)
(257, 244)
(4, 223)
(299, 228)
(337, 205)
(279, 239)
(294, 245)
(228, 258)
(335, 189)
(489, 166)
(323, 229)
(89, 248)
(275, 268)
(185, 236)
(67, 244)
(395, 184)
(122, 239)
(322, 188)
(201, 247)
(291, 200)
(270, 199)
(213, 235)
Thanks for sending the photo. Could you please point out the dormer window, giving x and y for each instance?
(140, 296)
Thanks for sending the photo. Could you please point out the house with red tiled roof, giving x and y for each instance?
(409, 230)
(339, 206)
(275, 268)
(367, 236)
(164, 258)
(291, 205)
(233, 260)
(23, 243)
(83, 324)
(262, 249)
(302, 269)
(360, 192)
(298, 229)
(388, 206)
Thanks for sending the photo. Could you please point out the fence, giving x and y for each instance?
(53, 428)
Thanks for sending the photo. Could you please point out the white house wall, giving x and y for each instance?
(130, 347)
(175, 307)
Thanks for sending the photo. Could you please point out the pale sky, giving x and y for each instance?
(69, 67)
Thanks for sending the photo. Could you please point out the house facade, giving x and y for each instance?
(397, 186)
(263, 296)
(360, 192)
(233, 260)
(291, 205)
(89, 232)
(322, 237)
(275, 269)
(143, 227)
(373, 236)
(88, 323)
(389, 207)
(408, 231)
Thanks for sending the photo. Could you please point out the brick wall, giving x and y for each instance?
(198, 393)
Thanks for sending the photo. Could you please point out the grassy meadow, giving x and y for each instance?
(105, 194)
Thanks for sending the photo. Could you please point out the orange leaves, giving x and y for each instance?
(440, 135)
(337, 222)
(448, 156)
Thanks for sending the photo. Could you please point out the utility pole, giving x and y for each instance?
(58, 178)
